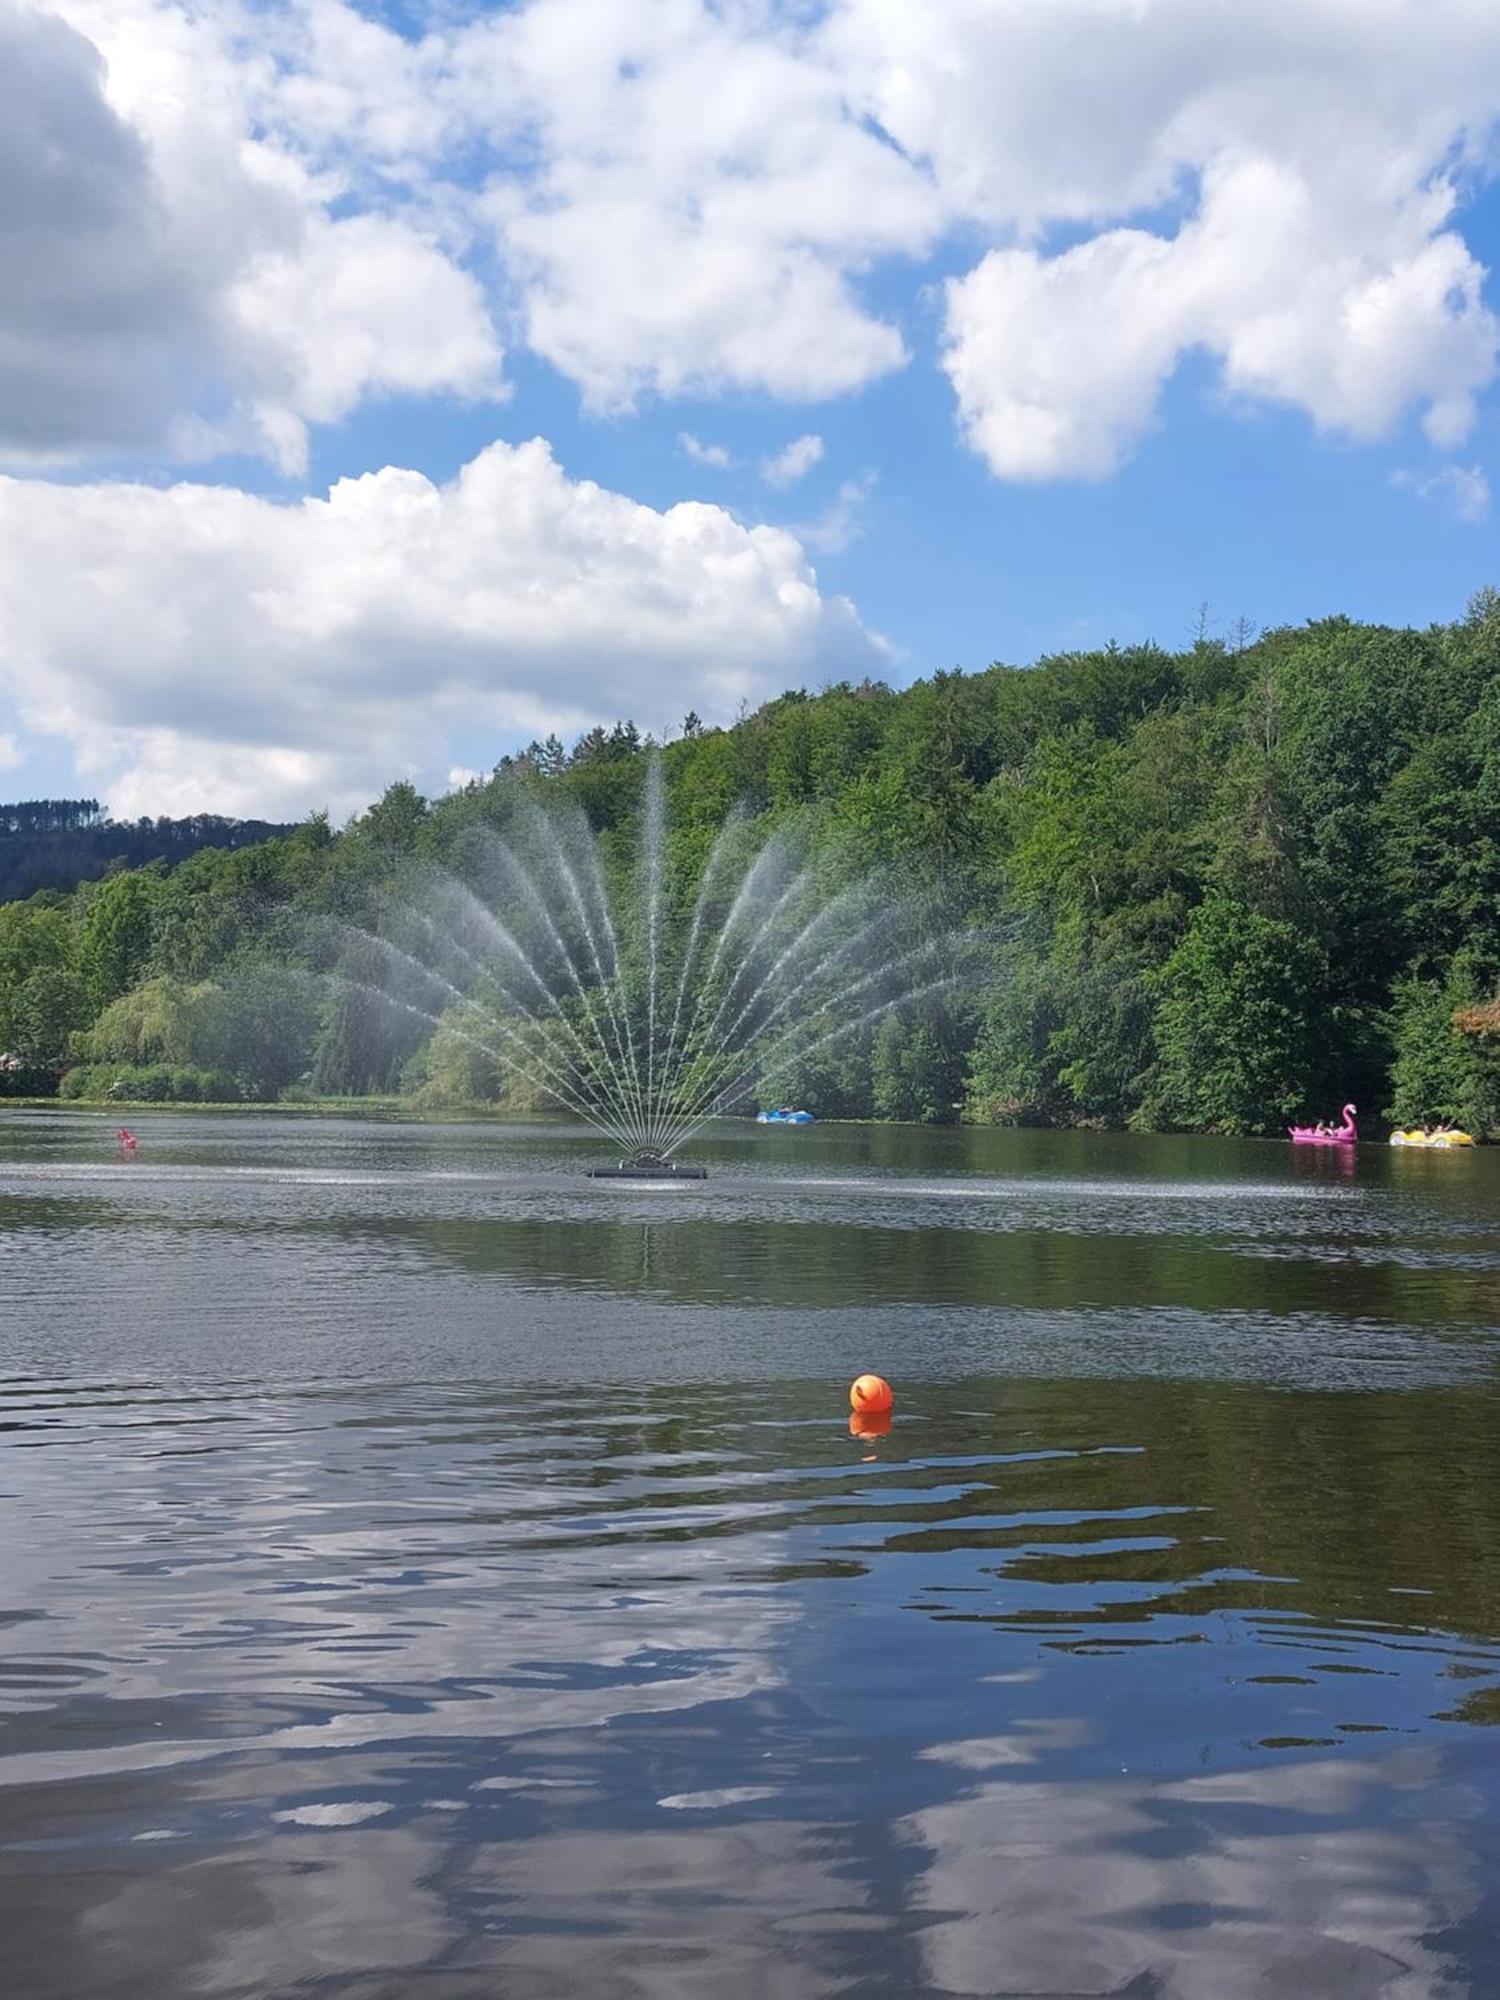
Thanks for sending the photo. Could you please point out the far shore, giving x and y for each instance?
(404, 1110)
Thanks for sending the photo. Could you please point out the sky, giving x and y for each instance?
(385, 384)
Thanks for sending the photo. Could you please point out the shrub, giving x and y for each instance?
(1439, 1073)
(150, 1083)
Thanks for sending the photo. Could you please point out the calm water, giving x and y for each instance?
(428, 1573)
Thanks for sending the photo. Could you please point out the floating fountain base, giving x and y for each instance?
(648, 1165)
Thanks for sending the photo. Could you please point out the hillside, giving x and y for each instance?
(1228, 885)
(58, 843)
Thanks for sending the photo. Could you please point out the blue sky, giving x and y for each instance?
(1094, 312)
(1244, 506)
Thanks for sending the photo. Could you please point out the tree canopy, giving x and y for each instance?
(57, 843)
(1212, 888)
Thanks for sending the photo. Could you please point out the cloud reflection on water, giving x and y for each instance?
(398, 1611)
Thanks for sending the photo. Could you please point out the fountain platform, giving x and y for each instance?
(648, 1166)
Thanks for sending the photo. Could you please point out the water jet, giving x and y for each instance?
(552, 968)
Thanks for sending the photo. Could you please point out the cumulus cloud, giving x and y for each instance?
(1059, 361)
(1273, 187)
(356, 307)
(99, 320)
(232, 222)
(786, 467)
(700, 174)
(203, 647)
(714, 455)
(178, 277)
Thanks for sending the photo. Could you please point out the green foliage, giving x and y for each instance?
(1439, 1074)
(363, 1045)
(115, 946)
(1013, 1074)
(256, 1026)
(258, 1023)
(454, 1072)
(917, 1067)
(58, 843)
(1064, 1039)
(832, 1081)
(149, 1083)
(42, 994)
(395, 821)
(1237, 1030)
(150, 1024)
(1213, 889)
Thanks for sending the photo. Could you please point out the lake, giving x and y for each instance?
(427, 1572)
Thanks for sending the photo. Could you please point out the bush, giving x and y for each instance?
(149, 1083)
(87, 1081)
(1439, 1073)
(453, 1071)
(249, 1032)
(19, 1078)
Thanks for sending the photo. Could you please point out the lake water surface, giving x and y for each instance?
(426, 1572)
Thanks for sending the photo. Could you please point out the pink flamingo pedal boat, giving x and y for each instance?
(1340, 1135)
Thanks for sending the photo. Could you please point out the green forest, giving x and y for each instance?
(54, 843)
(1214, 889)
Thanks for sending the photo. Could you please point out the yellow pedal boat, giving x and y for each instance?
(1442, 1142)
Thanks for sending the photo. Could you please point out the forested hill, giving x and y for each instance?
(58, 843)
(1233, 884)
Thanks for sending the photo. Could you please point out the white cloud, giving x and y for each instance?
(179, 278)
(359, 306)
(703, 197)
(714, 455)
(100, 319)
(1059, 361)
(1464, 489)
(1305, 154)
(203, 647)
(222, 222)
(10, 753)
(794, 463)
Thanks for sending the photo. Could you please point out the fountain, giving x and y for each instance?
(648, 1163)
(642, 1007)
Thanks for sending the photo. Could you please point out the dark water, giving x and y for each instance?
(428, 1573)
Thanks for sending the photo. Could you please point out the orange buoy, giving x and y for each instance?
(870, 1395)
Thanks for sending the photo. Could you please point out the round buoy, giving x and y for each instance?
(870, 1395)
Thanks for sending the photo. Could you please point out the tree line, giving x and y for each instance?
(1212, 888)
(57, 843)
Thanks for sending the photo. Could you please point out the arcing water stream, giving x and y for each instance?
(643, 1013)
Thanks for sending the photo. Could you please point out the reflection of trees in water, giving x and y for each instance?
(1318, 1507)
(1161, 1499)
(1003, 1255)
